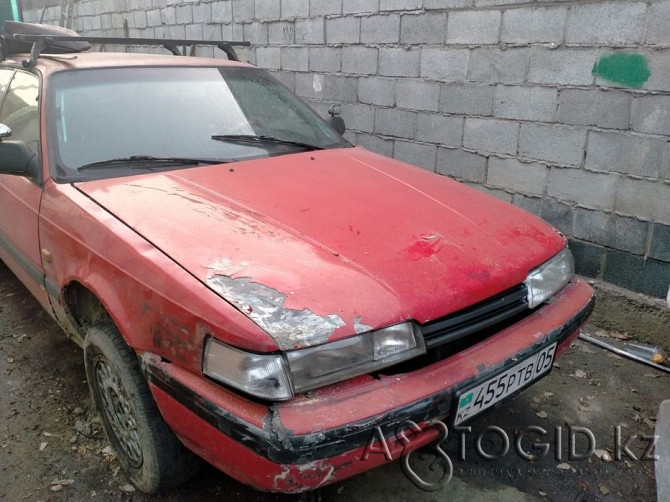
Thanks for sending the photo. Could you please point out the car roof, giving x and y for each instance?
(47, 63)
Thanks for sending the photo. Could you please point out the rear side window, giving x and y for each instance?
(19, 110)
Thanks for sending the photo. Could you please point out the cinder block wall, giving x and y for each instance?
(560, 107)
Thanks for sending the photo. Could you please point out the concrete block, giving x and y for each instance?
(382, 29)
(423, 28)
(544, 25)
(644, 199)
(309, 31)
(398, 123)
(377, 91)
(212, 32)
(281, 33)
(490, 135)
(626, 153)
(202, 13)
(256, 33)
(447, 4)
(647, 276)
(243, 10)
(168, 16)
(596, 190)
(399, 4)
(657, 23)
(526, 103)
(295, 58)
(294, 8)
(660, 242)
(473, 27)
(441, 63)
(608, 109)
(267, 9)
(357, 59)
(560, 144)
(417, 95)
(359, 6)
(606, 23)
(397, 62)
(652, 114)
(494, 192)
(222, 12)
(140, 19)
(591, 225)
(325, 59)
(486, 3)
(467, 98)
(357, 117)
(561, 66)
(375, 144)
(527, 177)
(194, 31)
(461, 164)
(659, 66)
(340, 88)
(324, 7)
(494, 65)
(528, 203)
(268, 57)
(434, 128)
(589, 258)
(416, 154)
(184, 14)
(343, 30)
(558, 215)
(627, 234)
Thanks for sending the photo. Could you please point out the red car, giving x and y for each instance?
(248, 286)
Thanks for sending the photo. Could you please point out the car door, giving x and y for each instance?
(20, 195)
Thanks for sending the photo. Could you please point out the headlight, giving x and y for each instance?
(261, 375)
(549, 277)
(333, 362)
(277, 377)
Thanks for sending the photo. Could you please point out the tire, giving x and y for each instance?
(148, 451)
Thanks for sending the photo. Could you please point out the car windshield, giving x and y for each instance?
(222, 114)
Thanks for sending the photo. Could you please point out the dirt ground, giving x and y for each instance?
(52, 447)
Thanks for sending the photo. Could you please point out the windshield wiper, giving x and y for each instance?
(134, 160)
(249, 138)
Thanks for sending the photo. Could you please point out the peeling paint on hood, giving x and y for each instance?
(267, 307)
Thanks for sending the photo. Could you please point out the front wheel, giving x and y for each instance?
(148, 451)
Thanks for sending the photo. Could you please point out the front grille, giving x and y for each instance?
(465, 328)
(475, 319)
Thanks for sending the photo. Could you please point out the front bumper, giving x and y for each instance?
(319, 438)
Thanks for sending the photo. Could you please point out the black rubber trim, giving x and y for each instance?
(35, 273)
(476, 318)
(281, 446)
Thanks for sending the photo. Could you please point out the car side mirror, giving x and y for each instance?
(16, 157)
(336, 121)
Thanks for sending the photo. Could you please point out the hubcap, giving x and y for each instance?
(117, 410)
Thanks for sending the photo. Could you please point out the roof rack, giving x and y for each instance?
(41, 43)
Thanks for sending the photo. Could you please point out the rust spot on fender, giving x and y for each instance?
(267, 307)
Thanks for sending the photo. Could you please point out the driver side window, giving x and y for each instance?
(20, 111)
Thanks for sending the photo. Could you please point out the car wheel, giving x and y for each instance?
(148, 451)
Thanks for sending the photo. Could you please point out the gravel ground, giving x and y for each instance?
(52, 447)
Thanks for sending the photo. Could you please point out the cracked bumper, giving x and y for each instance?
(318, 439)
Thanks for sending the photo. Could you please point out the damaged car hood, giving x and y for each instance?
(319, 245)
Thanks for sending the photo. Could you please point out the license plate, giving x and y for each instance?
(475, 400)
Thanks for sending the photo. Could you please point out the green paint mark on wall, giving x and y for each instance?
(627, 69)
